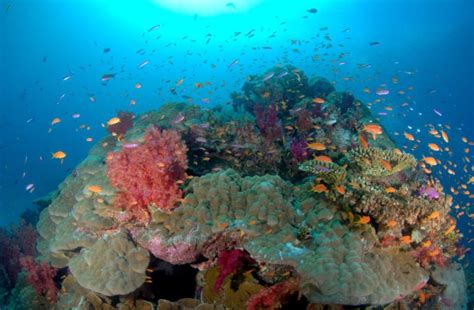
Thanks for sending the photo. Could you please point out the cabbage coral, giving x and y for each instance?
(147, 174)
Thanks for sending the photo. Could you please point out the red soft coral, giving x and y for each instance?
(147, 175)
(230, 262)
(40, 277)
(426, 255)
(275, 296)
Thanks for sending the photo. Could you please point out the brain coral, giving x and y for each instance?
(112, 266)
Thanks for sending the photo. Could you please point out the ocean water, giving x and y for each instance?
(53, 55)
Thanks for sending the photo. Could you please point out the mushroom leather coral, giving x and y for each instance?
(147, 174)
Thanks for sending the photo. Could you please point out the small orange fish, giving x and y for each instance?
(433, 132)
(390, 189)
(89, 139)
(58, 155)
(434, 147)
(197, 85)
(113, 121)
(96, 189)
(433, 215)
(323, 158)
(318, 100)
(317, 146)
(363, 142)
(340, 189)
(405, 239)
(364, 220)
(409, 136)
(445, 136)
(430, 161)
(319, 188)
(391, 223)
(138, 85)
(266, 94)
(374, 130)
(387, 166)
(55, 120)
(450, 229)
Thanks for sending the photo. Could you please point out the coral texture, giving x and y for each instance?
(112, 266)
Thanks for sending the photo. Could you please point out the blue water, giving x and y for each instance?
(426, 44)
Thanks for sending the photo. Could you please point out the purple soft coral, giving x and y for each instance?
(429, 192)
(268, 122)
(299, 150)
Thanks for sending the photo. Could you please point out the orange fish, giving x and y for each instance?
(96, 189)
(387, 166)
(340, 189)
(390, 189)
(434, 147)
(409, 136)
(405, 239)
(426, 244)
(55, 120)
(364, 220)
(318, 100)
(433, 132)
(391, 223)
(319, 188)
(138, 85)
(433, 215)
(266, 95)
(450, 229)
(317, 146)
(363, 142)
(197, 85)
(323, 158)
(374, 130)
(445, 136)
(430, 161)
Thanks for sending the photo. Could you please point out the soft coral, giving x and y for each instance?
(147, 175)
(40, 277)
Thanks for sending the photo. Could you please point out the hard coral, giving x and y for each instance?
(40, 276)
(147, 175)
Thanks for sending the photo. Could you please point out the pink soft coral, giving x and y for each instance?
(40, 277)
(148, 175)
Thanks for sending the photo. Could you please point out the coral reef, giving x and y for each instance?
(225, 200)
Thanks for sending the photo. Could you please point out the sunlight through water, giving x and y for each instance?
(207, 7)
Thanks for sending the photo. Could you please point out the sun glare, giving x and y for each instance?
(207, 7)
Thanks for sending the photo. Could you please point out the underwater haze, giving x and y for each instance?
(340, 119)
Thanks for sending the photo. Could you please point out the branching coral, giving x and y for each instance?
(147, 175)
